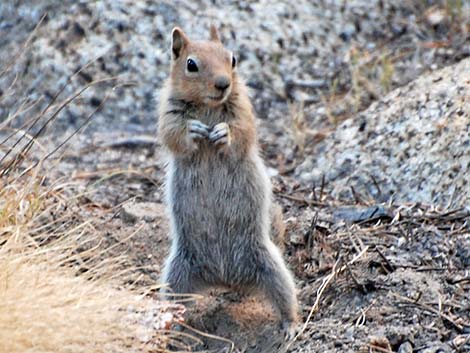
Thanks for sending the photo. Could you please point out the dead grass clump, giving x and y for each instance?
(45, 306)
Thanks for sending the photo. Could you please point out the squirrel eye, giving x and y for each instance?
(191, 65)
(234, 61)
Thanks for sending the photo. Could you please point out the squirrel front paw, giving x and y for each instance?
(220, 135)
(198, 130)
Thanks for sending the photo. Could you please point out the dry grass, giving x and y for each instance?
(44, 307)
(301, 134)
(57, 297)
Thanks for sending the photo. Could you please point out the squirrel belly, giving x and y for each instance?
(220, 208)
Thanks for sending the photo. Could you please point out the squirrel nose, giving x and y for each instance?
(222, 83)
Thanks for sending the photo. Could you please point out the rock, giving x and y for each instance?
(361, 214)
(297, 238)
(347, 32)
(405, 347)
(436, 16)
(412, 145)
(147, 211)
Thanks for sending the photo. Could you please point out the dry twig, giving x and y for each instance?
(430, 309)
(325, 283)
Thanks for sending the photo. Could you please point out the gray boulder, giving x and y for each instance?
(413, 145)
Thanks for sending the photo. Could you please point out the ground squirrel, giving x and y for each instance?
(217, 189)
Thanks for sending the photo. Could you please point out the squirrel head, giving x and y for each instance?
(202, 72)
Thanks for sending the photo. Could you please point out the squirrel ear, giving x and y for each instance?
(214, 34)
(178, 41)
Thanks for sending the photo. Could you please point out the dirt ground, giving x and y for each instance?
(389, 277)
(392, 276)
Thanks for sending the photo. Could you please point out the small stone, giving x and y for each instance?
(297, 238)
(401, 241)
(405, 347)
(338, 343)
(350, 332)
(435, 16)
(95, 102)
(78, 29)
(347, 32)
(146, 211)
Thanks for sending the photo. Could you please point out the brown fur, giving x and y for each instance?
(218, 193)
